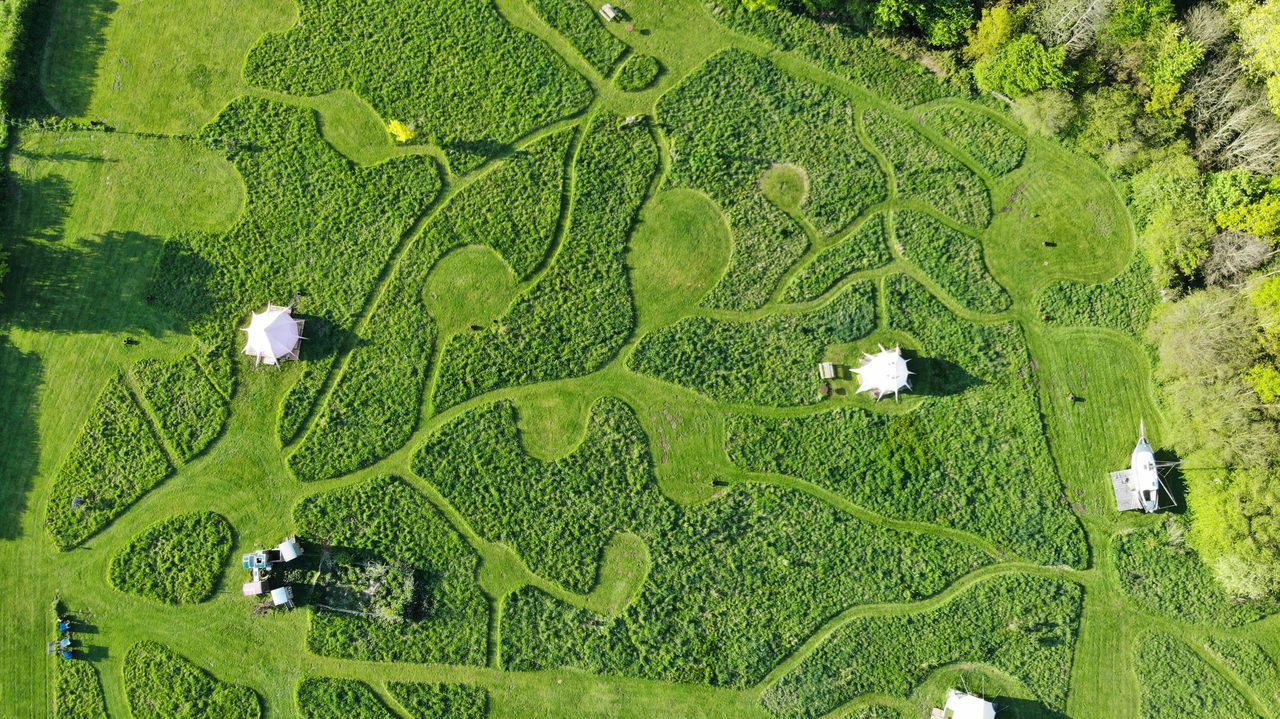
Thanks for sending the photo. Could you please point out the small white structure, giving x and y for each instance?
(827, 370)
(289, 549)
(610, 12)
(254, 588)
(884, 373)
(273, 335)
(282, 597)
(965, 706)
(1138, 487)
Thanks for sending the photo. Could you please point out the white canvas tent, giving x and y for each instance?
(883, 373)
(965, 706)
(273, 335)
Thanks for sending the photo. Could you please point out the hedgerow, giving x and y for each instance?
(769, 361)
(733, 119)
(114, 461)
(77, 691)
(952, 259)
(639, 72)
(580, 312)
(302, 195)
(1165, 576)
(428, 701)
(386, 520)
(864, 249)
(994, 146)
(1024, 626)
(931, 464)
(735, 586)
(925, 172)
(583, 27)
(1124, 303)
(161, 684)
(177, 561)
(188, 407)
(375, 406)
(458, 71)
(332, 698)
(1174, 678)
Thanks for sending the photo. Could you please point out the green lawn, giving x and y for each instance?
(95, 215)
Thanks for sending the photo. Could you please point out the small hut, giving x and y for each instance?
(883, 373)
(282, 597)
(827, 370)
(965, 706)
(273, 335)
(289, 549)
(610, 12)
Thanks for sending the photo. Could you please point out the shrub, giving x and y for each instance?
(177, 561)
(927, 173)
(952, 259)
(455, 701)
(458, 71)
(769, 361)
(864, 249)
(161, 684)
(580, 312)
(1123, 303)
(386, 520)
(331, 698)
(640, 72)
(582, 26)
(1021, 67)
(190, 410)
(1024, 626)
(1173, 678)
(375, 406)
(994, 146)
(113, 462)
(77, 691)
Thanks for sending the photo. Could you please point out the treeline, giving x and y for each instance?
(12, 13)
(1181, 103)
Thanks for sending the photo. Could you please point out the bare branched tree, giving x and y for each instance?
(1233, 122)
(1073, 23)
(1233, 256)
(1208, 25)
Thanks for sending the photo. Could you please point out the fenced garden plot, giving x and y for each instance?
(769, 361)
(189, 409)
(1124, 303)
(455, 701)
(114, 461)
(458, 71)
(864, 249)
(332, 698)
(639, 72)
(583, 26)
(77, 691)
(994, 146)
(925, 172)
(1174, 678)
(162, 684)
(952, 259)
(388, 519)
(1023, 626)
(580, 312)
(176, 561)
(735, 586)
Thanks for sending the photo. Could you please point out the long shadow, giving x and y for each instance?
(1014, 708)
(1173, 481)
(75, 51)
(20, 378)
(937, 377)
(24, 95)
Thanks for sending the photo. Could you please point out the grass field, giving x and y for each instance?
(651, 530)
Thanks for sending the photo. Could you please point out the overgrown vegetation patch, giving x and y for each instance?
(639, 72)
(925, 172)
(190, 410)
(455, 701)
(577, 21)
(1124, 303)
(1174, 678)
(332, 698)
(951, 258)
(994, 146)
(161, 684)
(864, 249)
(77, 691)
(176, 561)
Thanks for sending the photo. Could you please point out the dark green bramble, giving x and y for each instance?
(455, 701)
(332, 698)
(639, 72)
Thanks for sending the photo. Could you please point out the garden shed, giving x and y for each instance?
(273, 335)
(883, 373)
(282, 597)
(289, 549)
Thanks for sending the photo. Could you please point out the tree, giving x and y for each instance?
(1260, 218)
(1232, 256)
(1108, 119)
(1258, 26)
(1073, 24)
(1046, 112)
(1177, 242)
(1132, 19)
(944, 23)
(997, 26)
(1022, 66)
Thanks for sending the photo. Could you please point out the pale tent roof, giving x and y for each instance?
(289, 550)
(280, 596)
(273, 335)
(883, 373)
(967, 706)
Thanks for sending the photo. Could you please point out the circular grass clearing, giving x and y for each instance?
(785, 185)
(469, 287)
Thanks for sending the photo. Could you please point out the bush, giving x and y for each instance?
(331, 698)
(580, 313)
(864, 249)
(386, 520)
(1021, 67)
(927, 173)
(1023, 626)
(375, 406)
(993, 145)
(732, 120)
(454, 701)
(177, 561)
(640, 72)
(462, 75)
(582, 26)
(161, 684)
(1173, 678)
(769, 361)
(1123, 303)
(952, 259)
(190, 410)
(113, 462)
(77, 691)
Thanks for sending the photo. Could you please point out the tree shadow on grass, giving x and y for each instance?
(20, 378)
(77, 41)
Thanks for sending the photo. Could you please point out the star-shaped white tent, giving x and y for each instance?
(273, 335)
(883, 373)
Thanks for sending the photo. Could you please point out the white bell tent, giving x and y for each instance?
(883, 373)
(961, 705)
(273, 335)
